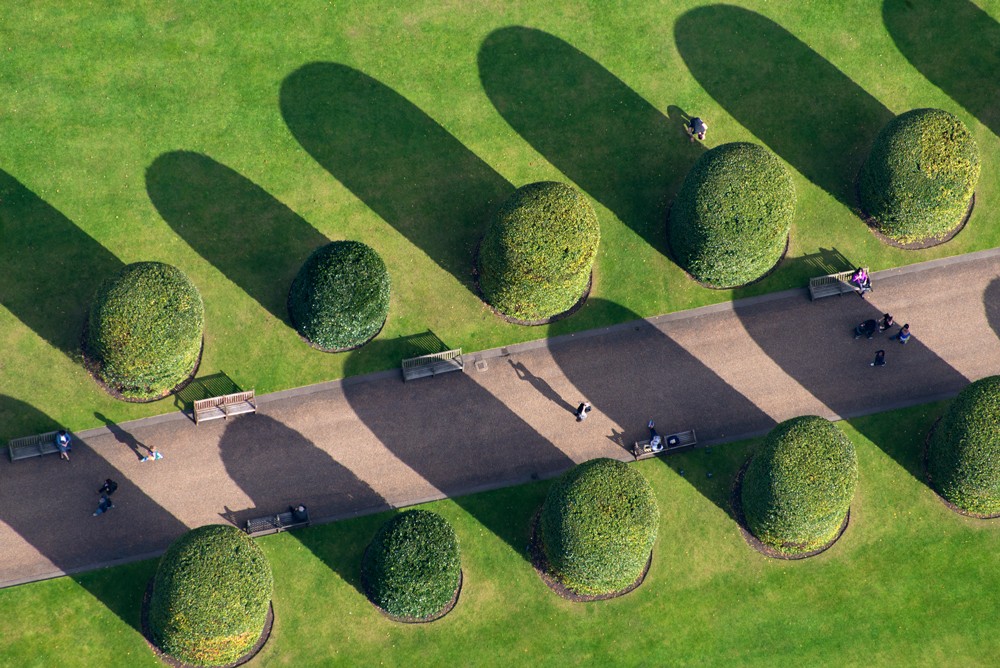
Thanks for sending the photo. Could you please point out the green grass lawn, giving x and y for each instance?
(230, 141)
(910, 583)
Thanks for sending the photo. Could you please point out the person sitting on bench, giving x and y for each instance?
(655, 440)
(862, 280)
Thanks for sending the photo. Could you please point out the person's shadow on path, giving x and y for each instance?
(278, 467)
(124, 437)
(541, 385)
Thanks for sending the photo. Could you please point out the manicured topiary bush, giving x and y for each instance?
(799, 485)
(145, 330)
(730, 220)
(210, 596)
(919, 178)
(536, 257)
(598, 525)
(340, 297)
(963, 459)
(412, 567)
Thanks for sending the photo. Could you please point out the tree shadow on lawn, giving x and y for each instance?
(278, 467)
(237, 226)
(49, 504)
(396, 159)
(956, 46)
(813, 342)
(458, 437)
(590, 125)
(801, 106)
(51, 268)
(652, 376)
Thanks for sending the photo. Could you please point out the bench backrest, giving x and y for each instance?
(447, 355)
(843, 276)
(48, 437)
(226, 399)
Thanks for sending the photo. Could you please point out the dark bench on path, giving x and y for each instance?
(832, 284)
(268, 524)
(33, 446)
(433, 364)
(214, 408)
(671, 443)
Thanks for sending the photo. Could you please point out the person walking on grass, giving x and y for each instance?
(903, 335)
(696, 129)
(582, 411)
(879, 358)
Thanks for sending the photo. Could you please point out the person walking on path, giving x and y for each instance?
(153, 455)
(63, 441)
(879, 358)
(885, 323)
(106, 490)
(582, 411)
(696, 129)
(868, 327)
(903, 335)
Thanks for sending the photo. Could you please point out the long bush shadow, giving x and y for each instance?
(799, 104)
(55, 517)
(396, 159)
(589, 124)
(956, 45)
(665, 382)
(51, 268)
(813, 342)
(991, 304)
(458, 437)
(237, 226)
(297, 472)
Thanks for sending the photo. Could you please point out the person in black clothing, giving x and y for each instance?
(868, 327)
(582, 411)
(879, 358)
(106, 490)
(885, 323)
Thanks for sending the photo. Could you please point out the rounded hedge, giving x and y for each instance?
(340, 297)
(537, 255)
(145, 330)
(598, 525)
(730, 220)
(412, 567)
(210, 596)
(963, 458)
(799, 486)
(919, 178)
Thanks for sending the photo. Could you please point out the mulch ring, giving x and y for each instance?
(171, 661)
(916, 245)
(529, 323)
(92, 368)
(930, 480)
(541, 564)
(736, 501)
(414, 620)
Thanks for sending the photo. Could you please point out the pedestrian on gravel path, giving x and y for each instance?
(867, 327)
(63, 443)
(879, 358)
(903, 335)
(582, 411)
(885, 323)
(106, 490)
(153, 455)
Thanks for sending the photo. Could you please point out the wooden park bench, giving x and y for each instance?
(671, 443)
(832, 284)
(214, 408)
(268, 524)
(33, 446)
(433, 364)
